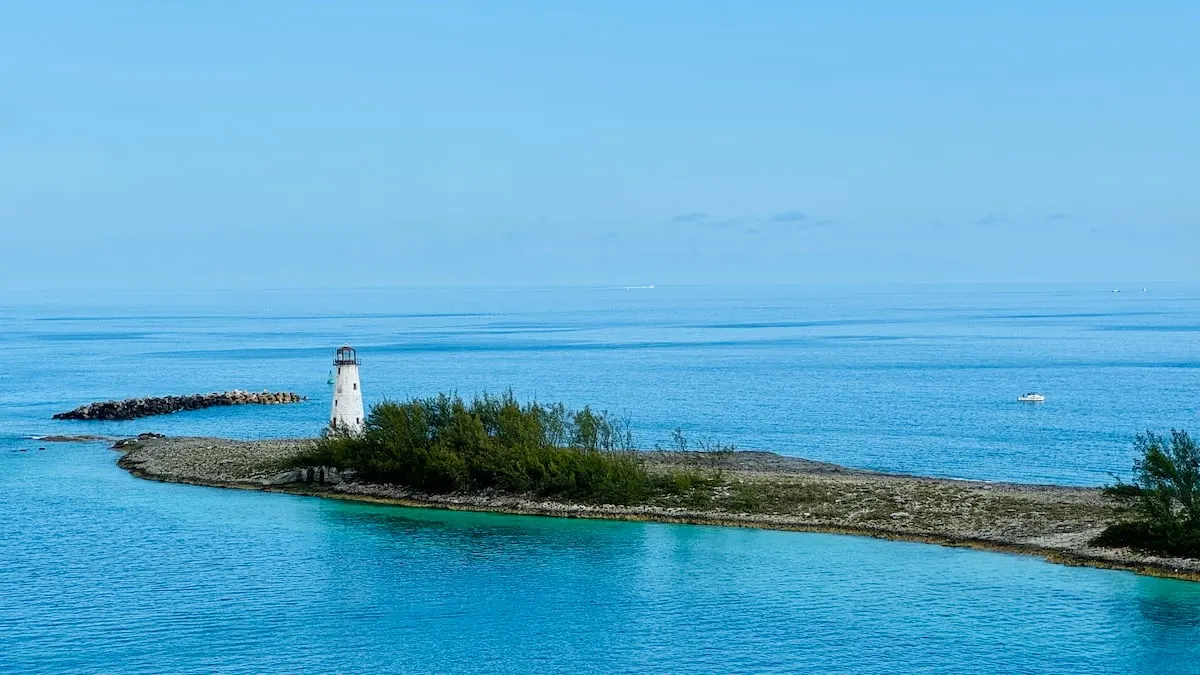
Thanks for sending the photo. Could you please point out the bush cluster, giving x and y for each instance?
(444, 444)
(1162, 502)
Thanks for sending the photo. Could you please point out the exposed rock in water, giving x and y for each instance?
(130, 442)
(134, 408)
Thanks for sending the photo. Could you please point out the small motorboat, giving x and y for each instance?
(1031, 397)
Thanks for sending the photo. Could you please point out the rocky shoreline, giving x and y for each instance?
(1053, 522)
(134, 408)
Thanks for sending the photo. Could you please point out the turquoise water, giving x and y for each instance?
(104, 572)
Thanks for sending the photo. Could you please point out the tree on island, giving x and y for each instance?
(444, 444)
(1162, 501)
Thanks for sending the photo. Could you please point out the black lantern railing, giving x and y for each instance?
(346, 356)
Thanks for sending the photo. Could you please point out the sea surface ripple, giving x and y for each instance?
(103, 572)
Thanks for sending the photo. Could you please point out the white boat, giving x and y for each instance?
(1031, 397)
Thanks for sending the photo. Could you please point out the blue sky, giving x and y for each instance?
(321, 144)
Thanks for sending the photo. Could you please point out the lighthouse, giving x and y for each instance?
(346, 413)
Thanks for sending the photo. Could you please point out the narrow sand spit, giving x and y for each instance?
(1050, 521)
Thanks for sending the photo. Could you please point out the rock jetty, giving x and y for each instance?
(134, 408)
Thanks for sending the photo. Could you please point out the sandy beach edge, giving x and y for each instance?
(134, 460)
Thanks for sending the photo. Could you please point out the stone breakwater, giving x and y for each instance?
(134, 408)
(1050, 521)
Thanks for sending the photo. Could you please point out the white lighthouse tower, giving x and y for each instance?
(346, 413)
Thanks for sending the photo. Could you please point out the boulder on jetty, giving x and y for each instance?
(134, 408)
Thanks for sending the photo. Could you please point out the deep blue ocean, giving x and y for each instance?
(102, 572)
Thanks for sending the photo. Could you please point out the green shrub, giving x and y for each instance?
(444, 444)
(1162, 502)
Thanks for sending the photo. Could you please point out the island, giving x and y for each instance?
(741, 488)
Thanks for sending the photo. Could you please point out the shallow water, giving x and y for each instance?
(104, 572)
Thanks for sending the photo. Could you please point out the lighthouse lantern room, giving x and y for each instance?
(346, 413)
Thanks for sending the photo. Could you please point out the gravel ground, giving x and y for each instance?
(789, 493)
